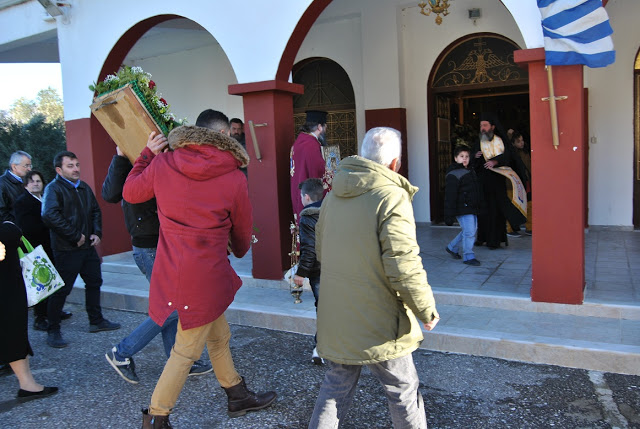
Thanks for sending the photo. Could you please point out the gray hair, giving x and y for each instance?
(16, 157)
(382, 145)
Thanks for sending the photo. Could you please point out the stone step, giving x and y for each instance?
(595, 336)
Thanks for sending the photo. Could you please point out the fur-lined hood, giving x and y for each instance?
(192, 135)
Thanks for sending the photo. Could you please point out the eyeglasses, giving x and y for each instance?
(26, 165)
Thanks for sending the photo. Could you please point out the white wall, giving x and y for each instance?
(611, 122)
(195, 80)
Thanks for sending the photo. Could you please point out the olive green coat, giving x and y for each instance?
(372, 283)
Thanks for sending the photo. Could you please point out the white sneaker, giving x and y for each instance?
(315, 358)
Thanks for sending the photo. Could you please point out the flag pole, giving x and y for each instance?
(553, 110)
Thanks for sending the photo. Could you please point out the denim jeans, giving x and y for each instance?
(467, 236)
(314, 282)
(399, 379)
(148, 329)
(145, 257)
(144, 333)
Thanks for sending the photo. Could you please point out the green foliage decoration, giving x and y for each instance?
(146, 90)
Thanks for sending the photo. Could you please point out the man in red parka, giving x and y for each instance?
(203, 206)
(305, 159)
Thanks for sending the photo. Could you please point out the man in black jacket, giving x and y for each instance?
(311, 193)
(11, 184)
(143, 225)
(71, 212)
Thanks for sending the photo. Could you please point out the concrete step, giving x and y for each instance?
(595, 336)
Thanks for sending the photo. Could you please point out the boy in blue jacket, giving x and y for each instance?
(462, 202)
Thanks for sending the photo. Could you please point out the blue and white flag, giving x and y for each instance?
(576, 32)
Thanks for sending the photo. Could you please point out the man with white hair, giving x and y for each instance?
(11, 184)
(373, 285)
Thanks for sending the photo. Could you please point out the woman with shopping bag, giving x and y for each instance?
(14, 338)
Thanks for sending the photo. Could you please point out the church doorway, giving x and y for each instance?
(327, 87)
(472, 75)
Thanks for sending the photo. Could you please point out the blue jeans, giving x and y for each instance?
(145, 257)
(314, 282)
(148, 329)
(399, 379)
(467, 236)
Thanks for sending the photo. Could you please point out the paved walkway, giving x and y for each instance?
(485, 310)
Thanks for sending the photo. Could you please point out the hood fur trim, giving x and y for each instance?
(190, 134)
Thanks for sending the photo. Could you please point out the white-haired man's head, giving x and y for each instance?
(384, 146)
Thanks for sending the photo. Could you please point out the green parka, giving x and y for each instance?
(372, 283)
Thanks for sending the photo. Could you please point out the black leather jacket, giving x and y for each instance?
(141, 219)
(10, 189)
(70, 212)
(308, 265)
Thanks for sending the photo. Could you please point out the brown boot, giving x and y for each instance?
(149, 421)
(242, 399)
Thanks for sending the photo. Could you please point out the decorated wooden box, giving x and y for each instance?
(125, 115)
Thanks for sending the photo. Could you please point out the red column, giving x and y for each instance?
(394, 118)
(558, 178)
(270, 103)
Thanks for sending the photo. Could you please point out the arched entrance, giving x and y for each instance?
(145, 45)
(474, 74)
(327, 87)
(636, 140)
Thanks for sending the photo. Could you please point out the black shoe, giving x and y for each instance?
(64, 315)
(514, 234)
(473, 262)
(125, 368)
(105, 325)
(241, 399)
(40, 324)
(528, 232)
(200, 368)
(453, 254)
(25, 395)
(54, 339)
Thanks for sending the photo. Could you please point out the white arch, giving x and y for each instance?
(93, 29)
(527, 17)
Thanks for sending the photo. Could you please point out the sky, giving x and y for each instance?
(26, 79)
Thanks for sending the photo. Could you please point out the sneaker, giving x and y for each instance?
(315, 358)
(514, 234)
(105, 325)
(40, 324)
(200, 367)
(473, 262)
(452, 253)
(528, 232)
(55, 340)
(126, 368)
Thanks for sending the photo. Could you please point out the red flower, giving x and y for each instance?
(151, 84)
(163, 101)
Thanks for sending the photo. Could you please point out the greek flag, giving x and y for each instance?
(576, 32)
